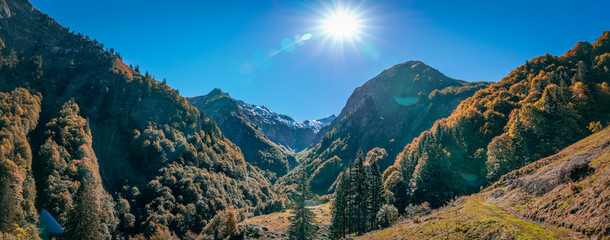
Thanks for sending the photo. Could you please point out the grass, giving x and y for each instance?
(561, 213)
(472, 219)
(277, 223)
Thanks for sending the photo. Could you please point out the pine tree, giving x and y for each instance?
(85, 220)
(301, 226)
(339, 208)
(375, 200)
(358, 198)
(360, 194)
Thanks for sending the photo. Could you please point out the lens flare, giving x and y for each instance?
(342, 24)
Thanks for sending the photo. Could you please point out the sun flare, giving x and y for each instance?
(342, 24)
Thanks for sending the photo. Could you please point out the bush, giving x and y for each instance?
(387, 215)
(412, 211)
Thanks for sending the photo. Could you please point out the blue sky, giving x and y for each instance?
(202, 45)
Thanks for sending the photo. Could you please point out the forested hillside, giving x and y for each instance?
(108, 151)
(538, 109)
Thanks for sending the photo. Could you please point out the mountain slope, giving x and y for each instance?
(564, 196)
(386, 113)
(235, 124)
(538, 109)
(74, 106)
(281, 129)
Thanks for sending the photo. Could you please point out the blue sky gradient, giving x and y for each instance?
(201, 45)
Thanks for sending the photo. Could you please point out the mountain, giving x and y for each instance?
(283, 129)
(384, 115)
(108, 151)
(564, 196)
(280, 129)
(233, 120)
(540, 108)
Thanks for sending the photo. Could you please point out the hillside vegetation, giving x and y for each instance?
(108, 151)
(540, 108)
(564, 196)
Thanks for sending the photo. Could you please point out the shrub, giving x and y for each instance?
(387, 215)
(413, 211)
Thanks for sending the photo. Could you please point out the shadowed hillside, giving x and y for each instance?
(256, 147)
(113, 152)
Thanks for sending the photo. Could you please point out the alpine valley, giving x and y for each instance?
(91, 148)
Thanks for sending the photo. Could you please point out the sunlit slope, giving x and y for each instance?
(540, 108)
(564, 196)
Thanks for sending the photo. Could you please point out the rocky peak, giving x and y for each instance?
(10, 8)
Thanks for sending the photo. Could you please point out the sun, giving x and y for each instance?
(342, 25)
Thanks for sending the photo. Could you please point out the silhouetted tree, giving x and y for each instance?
(301, 226)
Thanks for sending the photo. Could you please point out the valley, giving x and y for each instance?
(92, 148)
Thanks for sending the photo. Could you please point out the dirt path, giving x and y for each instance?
(522, 224)
(495, 210)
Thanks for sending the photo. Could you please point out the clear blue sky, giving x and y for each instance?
(201, 45)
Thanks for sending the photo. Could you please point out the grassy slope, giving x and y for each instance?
(277, 223)
(536, 202)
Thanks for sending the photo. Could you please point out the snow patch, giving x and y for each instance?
(272, 117)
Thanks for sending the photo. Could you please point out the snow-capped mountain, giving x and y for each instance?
(266, 116)
(279, 128)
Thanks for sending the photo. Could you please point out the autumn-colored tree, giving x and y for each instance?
(230, 225)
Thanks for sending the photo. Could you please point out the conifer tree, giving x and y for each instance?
(85, 221)
(375, 199)
(339, 208)
(360, 193)
(301, 226)
(358, 198)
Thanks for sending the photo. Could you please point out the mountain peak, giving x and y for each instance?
(217, 92)
(415, 66)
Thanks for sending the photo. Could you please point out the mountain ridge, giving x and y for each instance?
(278, 128)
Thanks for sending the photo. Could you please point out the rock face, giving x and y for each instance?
(385, 114)
(283, 129)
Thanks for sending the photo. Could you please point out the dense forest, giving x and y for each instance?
(108, 151)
